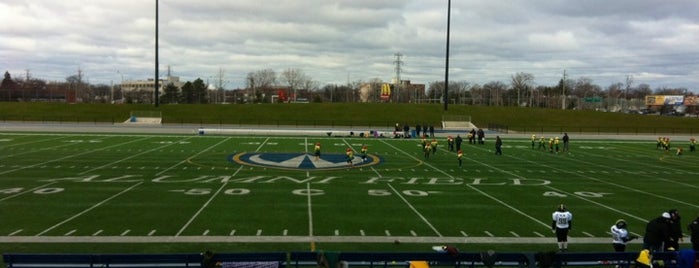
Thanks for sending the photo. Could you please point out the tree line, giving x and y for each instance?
(266, 85)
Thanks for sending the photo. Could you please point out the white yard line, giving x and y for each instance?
(310, 209)
(189, 158)
(34, 151)
(476, 189)
(129, 157)
(27, 191)
(70, 156)
(657, 167)
(605, 182)
(415, 210)
(89, 209)
(196, 214)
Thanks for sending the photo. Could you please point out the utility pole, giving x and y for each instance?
(398, 62)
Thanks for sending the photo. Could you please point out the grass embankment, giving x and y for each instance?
(530, 120)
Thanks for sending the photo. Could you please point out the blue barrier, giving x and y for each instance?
(311, 259)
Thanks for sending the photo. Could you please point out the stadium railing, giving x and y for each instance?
(346, 259)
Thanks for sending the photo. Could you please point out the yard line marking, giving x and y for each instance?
(310, 209)
(89, 209)
(361, 232)
(129, 157)
(514, 234)
(588, 234)
(489, 234)
(259, 232)
(464, 233)
(539, 234)
(70, 232)
(285, 232)
(598, 203)
(388, 233)
(206, 232)
(619, 185)
(196, 214)
(97, 233)
(476, 189)
(27, 191)
(414, 210)
(413, 233)
(190, 158)
(337, 232)
(151, 233)
(232, 232)
(69, 156)
(16, 232)
(653, 165)
(39, 150)
(261, 144)
(127, 231)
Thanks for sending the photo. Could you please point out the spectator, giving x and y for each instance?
(694, 233)
(657, 233)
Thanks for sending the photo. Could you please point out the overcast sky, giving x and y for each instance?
(655, 42)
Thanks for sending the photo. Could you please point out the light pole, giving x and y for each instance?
(446, 67)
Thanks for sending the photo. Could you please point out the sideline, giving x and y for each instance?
(264, 130)
(302, 239)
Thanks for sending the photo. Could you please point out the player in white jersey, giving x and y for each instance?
(620, 235)
(561, 224)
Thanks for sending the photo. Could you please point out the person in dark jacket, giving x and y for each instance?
(657, 233)
(694, 233)
(498, 145)
(675, 230)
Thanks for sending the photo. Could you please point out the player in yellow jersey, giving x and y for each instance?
(316, 150)
(459, 156)
(692, 144)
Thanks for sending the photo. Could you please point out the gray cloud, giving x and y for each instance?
(332, 41)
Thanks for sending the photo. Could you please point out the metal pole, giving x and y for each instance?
(157, 73)
(446, 68)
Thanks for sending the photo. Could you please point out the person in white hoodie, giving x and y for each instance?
(620, 235)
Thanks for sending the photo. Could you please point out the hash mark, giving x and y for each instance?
(16, 232)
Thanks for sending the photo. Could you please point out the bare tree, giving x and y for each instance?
(496, 90)
(260, 80)
(523, 82)
(295, 79)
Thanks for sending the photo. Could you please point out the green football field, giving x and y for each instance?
(66, 188)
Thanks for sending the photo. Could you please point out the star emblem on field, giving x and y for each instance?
(303, 161)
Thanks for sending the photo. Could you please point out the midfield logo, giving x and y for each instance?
(302, 161)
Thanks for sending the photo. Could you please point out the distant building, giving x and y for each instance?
(149, 84)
